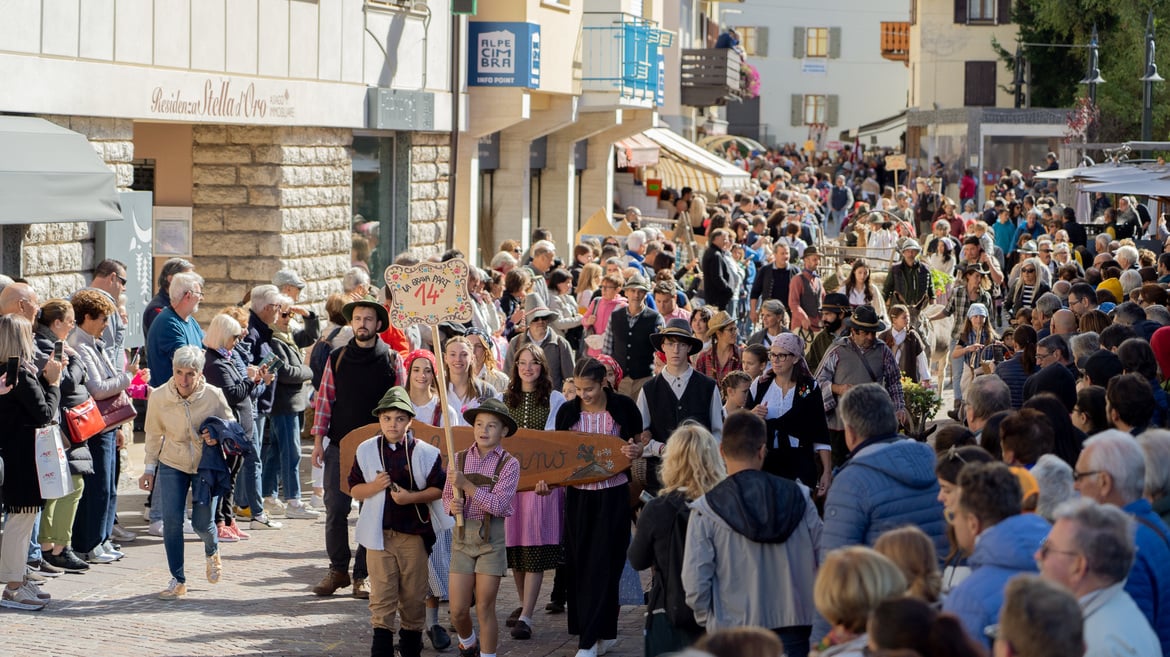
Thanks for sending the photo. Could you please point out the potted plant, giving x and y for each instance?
(921, 404)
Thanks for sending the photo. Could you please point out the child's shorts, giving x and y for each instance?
(481, 550)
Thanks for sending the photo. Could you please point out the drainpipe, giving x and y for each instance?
(453, 167)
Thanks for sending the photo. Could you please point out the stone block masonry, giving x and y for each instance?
(58, 259)
(266, 198)
(430, 169)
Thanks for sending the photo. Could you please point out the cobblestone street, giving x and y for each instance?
(262, 606)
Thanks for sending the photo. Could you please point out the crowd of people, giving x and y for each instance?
(761, 394)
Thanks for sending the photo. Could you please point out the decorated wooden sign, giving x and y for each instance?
(560, 458)
(896, 162)
(428, 293)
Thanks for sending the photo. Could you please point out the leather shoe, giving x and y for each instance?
(515, 616)
(522, 631)
(333, 580)
(439, 638)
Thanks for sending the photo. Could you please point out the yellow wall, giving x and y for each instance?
(169, 145)
(939, 49)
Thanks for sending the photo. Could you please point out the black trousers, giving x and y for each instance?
(597, 535)
(337, 508)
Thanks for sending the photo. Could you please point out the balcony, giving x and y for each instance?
(621, 55)
(896, 42)
(710, 77)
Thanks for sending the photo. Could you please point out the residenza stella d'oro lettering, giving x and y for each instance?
(222, 100)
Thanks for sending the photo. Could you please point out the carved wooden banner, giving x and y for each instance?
(560, 458)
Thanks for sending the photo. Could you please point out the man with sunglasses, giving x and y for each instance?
(109, 278)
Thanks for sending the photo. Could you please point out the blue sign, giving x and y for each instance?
(503, 55)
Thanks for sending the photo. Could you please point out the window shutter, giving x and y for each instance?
(834, 43)
(798, 42)
(797, 110)
(961, 11)
(913, 12)
(712, 33)
(979, 84)
(1003, 13)
(831, 106)
(761, 42)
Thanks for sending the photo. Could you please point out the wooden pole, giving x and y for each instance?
(441, 378)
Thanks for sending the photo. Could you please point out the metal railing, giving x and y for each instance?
(622, 53)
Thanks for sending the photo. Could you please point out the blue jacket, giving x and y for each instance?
(1023, 229)
(1001, 552)
(1149, 582)
(167, 334)
(1004, 232)
(214, 477)
(884, 486)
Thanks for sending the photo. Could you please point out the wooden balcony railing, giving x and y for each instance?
(710, 77)
(896, 41)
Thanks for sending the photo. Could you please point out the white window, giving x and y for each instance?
(981, 11)
(816, 42)
(816, 109)
(753, 40)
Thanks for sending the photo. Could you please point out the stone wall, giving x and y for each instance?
(58, 259)
(430, 170)
(267, 198)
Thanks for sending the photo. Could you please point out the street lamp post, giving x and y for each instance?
(1148, 80)
(1093, 76)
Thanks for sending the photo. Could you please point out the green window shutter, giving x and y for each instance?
(797, 110)
(798, 42)
(834, 43)
(831, 110)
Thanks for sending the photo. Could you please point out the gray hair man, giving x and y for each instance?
(1090, 551)
(1112, 470)
(986, 396)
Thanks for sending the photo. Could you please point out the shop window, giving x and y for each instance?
(376, 236)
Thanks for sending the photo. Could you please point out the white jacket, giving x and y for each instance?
(369, 524)
(1115, 627)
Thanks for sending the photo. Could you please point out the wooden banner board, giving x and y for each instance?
(560, 458)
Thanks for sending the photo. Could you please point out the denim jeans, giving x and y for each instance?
(34, 546)
(248, 481)
(956, 373)
(172, 486)
(282, 457)
(99, 501)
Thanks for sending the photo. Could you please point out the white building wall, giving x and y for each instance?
(106, 58)
(868, 87)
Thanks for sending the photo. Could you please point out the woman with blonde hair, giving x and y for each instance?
(691, 466)
(851, 583)
(587, 283)
(913, 553)
(464, 390)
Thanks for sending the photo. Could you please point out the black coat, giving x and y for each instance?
(660, 542)
(717, 278)
(224, 373)
(73, 392)
(31, 404)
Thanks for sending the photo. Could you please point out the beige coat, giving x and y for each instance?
(172, 425)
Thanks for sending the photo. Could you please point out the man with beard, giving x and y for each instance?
(853, 360)
(833, 312)
(354, 381)
(908, 282)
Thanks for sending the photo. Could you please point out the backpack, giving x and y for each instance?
(319, 356)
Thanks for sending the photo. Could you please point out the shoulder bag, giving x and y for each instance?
(116, 410)
(84, 421)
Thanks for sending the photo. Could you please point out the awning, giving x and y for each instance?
(683, 163)
(50, 174)
(745, 145)
(636, 151)
(1154, 185)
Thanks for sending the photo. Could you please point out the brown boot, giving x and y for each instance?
(361, 590)
(333, 580)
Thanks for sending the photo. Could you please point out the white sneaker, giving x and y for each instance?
(274, 508)
(155, 528)
(298, 509)
(21, 598)
(264, 522)
(98, 555)
(605, 645)
(591, 651)
(188, 528)
(316, 501)
(108, 548)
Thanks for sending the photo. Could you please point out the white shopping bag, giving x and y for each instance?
(52, 466)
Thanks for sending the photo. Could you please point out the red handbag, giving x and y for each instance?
(116, 410)
(84, 421)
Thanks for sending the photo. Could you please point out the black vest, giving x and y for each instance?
(632, 348)
(667, 412)
(361, 377)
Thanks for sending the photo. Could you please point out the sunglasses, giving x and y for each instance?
(285, 314)
(121, 279)
(1030, 270)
